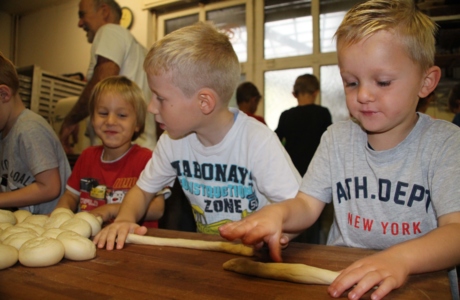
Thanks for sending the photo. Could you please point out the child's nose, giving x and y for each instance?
(153, 106)
(111, 119)
(365, 94)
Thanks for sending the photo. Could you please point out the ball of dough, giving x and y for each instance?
(7, 216)
(92, 220)
(56, 220)
(18, 239)
(41, 252)
(13, 230)
(62, 210)
(38, 229)
(21, 215)
(77, 247)
(5, 225)
(77, 225)
(9, 256)
(39, 220)
(53, 232)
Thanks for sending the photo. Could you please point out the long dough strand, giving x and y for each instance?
(298, 273)
(238, 249)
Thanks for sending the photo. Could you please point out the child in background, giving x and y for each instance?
(228, 164)
(248, 98)
(33, 165)
(392, 174)
(103, 174)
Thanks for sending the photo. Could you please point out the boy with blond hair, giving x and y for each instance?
(103, 174)
(391, 173)
(229, 165)
(33, 166)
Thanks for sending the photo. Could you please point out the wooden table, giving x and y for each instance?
(151, 272)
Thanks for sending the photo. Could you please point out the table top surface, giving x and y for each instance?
(154, 272)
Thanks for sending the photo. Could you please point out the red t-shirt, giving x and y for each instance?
(101, 183)
(259, 118)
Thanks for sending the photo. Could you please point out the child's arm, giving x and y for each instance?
(68, 200)
(132, 209)
(46, 187)
(437, 250)
(268, 224)
(156, 208)
(110, 211)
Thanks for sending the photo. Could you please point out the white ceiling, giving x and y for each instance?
(22, 7)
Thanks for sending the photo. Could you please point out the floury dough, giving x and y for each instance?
(33, 239)
(7, 216)
(9, 256)
(56, 220)
(77, 225)
(77, 247)
(41, 252)
(18, 239)
(39, 220)
(21, 215)
(92, 220)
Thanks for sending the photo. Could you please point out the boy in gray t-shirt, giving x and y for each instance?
(33, 166)
(391, 173)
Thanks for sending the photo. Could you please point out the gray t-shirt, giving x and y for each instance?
(382, 198)
(30, 148)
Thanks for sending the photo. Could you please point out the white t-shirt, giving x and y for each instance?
(247, 170)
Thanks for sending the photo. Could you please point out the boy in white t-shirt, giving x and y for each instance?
(228, 164)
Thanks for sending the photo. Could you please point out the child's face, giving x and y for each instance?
(114, 121)
(382, 84)
(175, 112)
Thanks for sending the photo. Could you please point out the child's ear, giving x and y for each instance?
(5, 93)
(207, 100)
(432, 77)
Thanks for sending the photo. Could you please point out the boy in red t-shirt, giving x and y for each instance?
(103, 174)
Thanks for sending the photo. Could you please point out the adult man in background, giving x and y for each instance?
(114, 51)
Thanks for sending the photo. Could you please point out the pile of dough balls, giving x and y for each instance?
(41, 240)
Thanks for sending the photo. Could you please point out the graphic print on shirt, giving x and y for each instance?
(227, 194)
(94, 193)
(395, 194)
(14, 180)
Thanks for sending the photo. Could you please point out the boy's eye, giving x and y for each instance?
(102, 113)
(350, 84)
(122, 115)
(384, 83)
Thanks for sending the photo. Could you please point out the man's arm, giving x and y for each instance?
(104, 68)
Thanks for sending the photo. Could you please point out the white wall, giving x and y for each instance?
(51, 38)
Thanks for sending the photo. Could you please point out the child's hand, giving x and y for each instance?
(117, 233)
(262, 226)
(381, 270)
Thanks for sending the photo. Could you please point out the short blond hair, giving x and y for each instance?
(128, 90)
(412, 27)
(196, 56)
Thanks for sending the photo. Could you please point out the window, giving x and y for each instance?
(276, 41)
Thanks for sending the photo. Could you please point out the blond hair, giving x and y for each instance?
(195, 57)
(8, 74)
(415, 30)
(128, 90)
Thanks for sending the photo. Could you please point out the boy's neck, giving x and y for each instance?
(390, 139)
(216, 128)
(306, 99)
